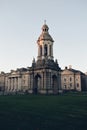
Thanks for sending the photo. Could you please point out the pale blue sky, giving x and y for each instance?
(20, 27)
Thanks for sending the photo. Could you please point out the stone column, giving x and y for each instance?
(42, 86)
(38, 50)
(12, 84)
(15, 84)
(15, 87)
(52, 50)
(50, 84)
(45, 79)
(48, 47)
(43, 51)
(49, 51)
(29, 82)
(18, 83)
(9, 84)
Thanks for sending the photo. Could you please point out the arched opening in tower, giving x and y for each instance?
(45, 50)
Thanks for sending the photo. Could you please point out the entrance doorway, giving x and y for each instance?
(37, 84)
(55, 84)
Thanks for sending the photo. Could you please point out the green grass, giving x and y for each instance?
(41, 112)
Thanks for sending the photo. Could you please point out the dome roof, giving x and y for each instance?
(45, 34)
(45, 27)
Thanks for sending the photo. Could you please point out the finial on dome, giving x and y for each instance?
(45, 28)
(44, 21)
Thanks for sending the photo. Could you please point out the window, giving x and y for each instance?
(70, 79)
(76, 79)
(64, 79)
(70, 85)
(77, 85)
(23, 81)
(65, 86)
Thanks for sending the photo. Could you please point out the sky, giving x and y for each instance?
(20, 27)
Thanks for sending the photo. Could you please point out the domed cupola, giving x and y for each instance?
(45, 28)
(45, 34)
(45, 44)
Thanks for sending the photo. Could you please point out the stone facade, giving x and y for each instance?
(44, 76)
(17, 81)
(2, 81)
(72, 79)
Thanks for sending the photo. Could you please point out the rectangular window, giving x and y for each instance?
(70, 85)
(64, 79)
(70, 79)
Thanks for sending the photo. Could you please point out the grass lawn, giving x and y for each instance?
(41, 112)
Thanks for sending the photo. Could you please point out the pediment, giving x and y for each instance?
(14, 73)
(67, 72)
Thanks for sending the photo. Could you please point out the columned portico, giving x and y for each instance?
(14, 83)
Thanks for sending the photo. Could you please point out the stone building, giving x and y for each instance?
(72, 79)
(44, 76)
(17, 81)
(2, 81)
(86, 79)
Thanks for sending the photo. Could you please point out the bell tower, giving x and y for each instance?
(45, 44)
(45, 72)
